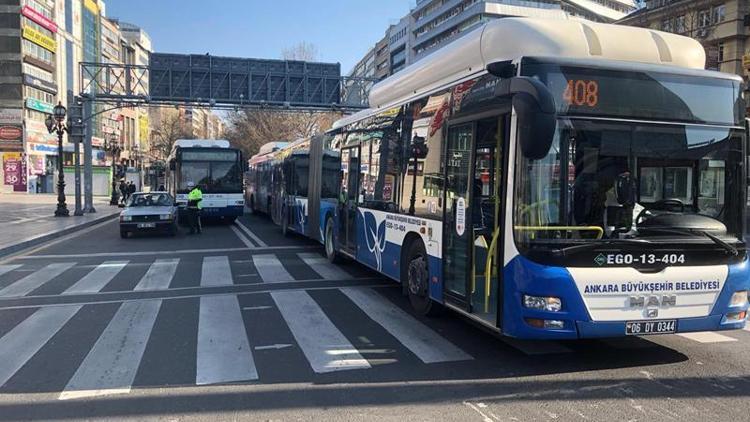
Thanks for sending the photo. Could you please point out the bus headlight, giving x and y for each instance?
(540, 303)
(739, 298)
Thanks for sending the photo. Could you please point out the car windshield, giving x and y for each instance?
(608, 180)
(150, 200)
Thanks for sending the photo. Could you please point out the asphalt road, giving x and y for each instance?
(241, 323)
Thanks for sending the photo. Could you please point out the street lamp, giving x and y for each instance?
(55, 125)
(112, 146)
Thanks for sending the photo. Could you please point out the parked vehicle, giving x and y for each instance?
(149, 212)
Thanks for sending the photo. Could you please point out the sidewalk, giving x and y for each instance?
(29, 220)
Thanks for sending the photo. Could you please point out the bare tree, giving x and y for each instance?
(303, 51)
(250, 129)
(169, 127)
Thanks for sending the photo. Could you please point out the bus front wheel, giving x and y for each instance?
(418, 280)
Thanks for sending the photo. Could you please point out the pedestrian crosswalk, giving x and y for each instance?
(225, 349)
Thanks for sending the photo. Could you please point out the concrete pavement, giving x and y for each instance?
(28, 220)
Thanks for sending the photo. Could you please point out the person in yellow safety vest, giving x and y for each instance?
(194, 205)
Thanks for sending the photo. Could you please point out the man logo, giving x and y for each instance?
(652, 301)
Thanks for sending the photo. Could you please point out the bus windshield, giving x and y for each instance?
(214, 171)
(610, 180)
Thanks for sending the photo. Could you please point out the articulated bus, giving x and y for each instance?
(550, 179)
(216, 168)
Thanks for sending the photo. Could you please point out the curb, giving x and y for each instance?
(26, 244)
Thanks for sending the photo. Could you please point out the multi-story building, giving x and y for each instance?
(432, 24)
(382, 59)
(722, 26)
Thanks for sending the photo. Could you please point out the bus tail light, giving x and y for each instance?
(540, 303)
(739, 298)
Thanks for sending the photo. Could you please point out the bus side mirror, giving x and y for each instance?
(535, 128)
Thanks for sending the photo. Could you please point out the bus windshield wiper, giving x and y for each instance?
(593, 245)
(726, 246)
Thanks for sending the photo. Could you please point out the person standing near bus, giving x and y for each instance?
(194, 205)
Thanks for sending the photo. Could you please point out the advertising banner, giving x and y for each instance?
(11, 138)
(39, 39)
(14, 170)
(39, 18)
(11, 115)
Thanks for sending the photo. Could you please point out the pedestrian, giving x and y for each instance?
(123, 188)
(162, 188)
(194, 205)
(131, 189)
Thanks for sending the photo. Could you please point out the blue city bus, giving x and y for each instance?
(549, 181)
(216, 168)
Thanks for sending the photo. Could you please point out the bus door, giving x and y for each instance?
(349, 198)
(473, 192)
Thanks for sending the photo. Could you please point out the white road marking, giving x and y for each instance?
(252, 235)
(216, 271)
(111, 365)
(537, 347)
(26, 338)
(8, 268)
(35, 280)
(242, 237)
(324, 268)
(324, 346)
(97, 279)
(224, 353)
(153, 253)
(159, 275)
(747, 326)
(256, 308)
(426, 344)
(270, 269)
(273, 347)
(707, 337)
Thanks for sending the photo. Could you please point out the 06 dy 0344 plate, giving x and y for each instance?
(642, 328)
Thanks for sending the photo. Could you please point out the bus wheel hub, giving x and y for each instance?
(418, 276)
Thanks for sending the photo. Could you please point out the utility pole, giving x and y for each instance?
(88, 182)
(75, 135)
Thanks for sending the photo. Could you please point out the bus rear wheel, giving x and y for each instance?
(330, 246)
(417, 280)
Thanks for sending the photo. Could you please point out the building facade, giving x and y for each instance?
(722, 26)
(432, 24)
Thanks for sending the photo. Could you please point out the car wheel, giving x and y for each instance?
(417, 280)
(329, 243)
(123, 234)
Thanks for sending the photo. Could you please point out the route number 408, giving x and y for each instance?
(582, 93)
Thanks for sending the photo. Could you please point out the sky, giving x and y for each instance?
(342, 30)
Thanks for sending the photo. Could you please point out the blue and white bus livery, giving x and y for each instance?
(552, 182)
(216, 168)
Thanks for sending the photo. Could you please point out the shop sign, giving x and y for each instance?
(37, 105)
(39, 18)
(92, 6)
(41, 149)
(37, 165)
(96, 141)
(11, 133)
(11, 115)
(143, 127)
(11, 145)
(37, 133)
(40, 83)
(14, 170)
(39, 39)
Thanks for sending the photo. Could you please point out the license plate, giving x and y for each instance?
(644, 328)
(146, 225)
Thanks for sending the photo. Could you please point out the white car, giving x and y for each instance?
(149, 212)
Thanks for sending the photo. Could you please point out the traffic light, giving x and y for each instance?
(419, 147)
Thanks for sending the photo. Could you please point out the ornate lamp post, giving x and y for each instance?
(55, 125)
(112, 146)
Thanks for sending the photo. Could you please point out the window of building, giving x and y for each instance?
(38, 73)
(719, 13)
(38, 94)
(679, 24)
(30, 23)
(704, 18)
(721, 52)
(37, 52)
(666, 25)
(43, 9)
